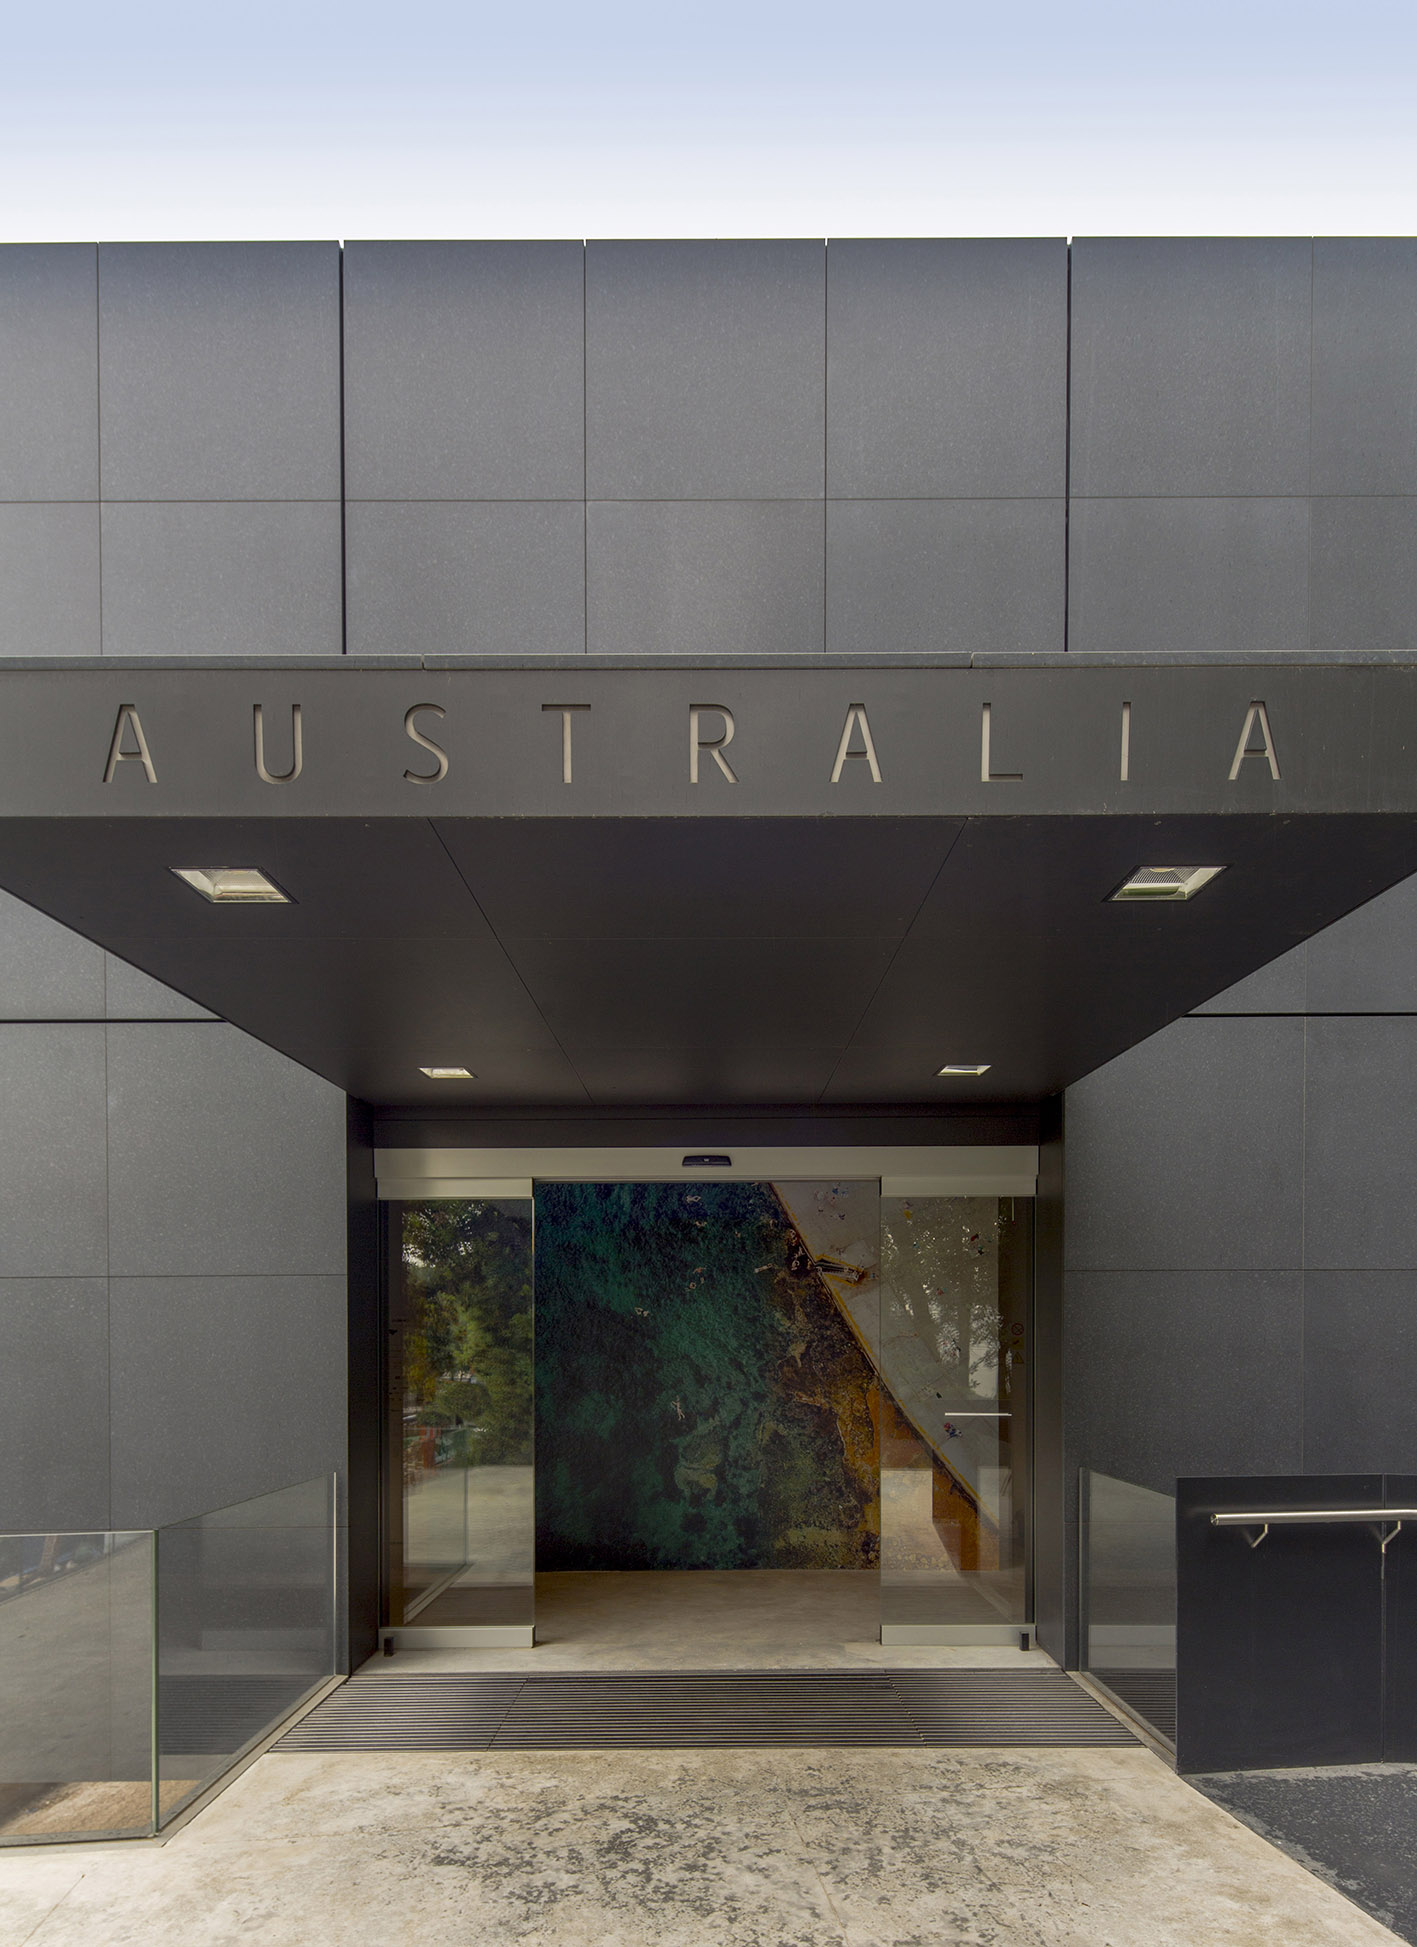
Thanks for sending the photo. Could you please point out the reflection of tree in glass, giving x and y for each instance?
(940, 1268)
(468, 1345)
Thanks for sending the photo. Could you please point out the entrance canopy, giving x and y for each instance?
(592, 884)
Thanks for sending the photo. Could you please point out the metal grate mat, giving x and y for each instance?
(706, 1709)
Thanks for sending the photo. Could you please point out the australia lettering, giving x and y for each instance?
(712, 728)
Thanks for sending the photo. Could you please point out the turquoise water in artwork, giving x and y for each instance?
(700, 1401)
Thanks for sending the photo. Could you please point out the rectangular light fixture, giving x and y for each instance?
(232, 885)
(448, 1074)
(1167, 881)
(964, 1068)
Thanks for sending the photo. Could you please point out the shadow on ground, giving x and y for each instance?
(1353, 1825)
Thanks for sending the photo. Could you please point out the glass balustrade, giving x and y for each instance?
(1128, 1594)
(136, 1667)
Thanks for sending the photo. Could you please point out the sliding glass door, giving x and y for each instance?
(461, 1505)
(955, 1359)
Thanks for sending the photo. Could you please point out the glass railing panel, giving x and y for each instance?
(954, 1362)
(245, 1629)
(1128, 1550)
(461, 1353)
(76, 1658)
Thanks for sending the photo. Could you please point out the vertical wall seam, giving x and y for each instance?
(107, 1262)
(826, 407)
(343, 492)
(1303, 1242)
(1309, 475)
(585, 449)
(1067, 437)
(98, 415)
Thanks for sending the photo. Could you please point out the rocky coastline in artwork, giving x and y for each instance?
(702, 1400)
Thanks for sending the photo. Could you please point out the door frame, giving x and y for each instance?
(423, 1175)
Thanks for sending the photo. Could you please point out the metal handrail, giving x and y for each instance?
(1264, 1519)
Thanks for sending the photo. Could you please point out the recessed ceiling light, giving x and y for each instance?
(964, 1068)
(448, 1074)
(232, 885)
(1167, 881)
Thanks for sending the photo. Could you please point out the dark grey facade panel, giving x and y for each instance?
(1365, 365)
(725, 577)
(1363, 964)
(977, 576)
(1360, 1359)
(53, 1403)
(1173, 1365)
(1280, 988)
(1229, 1197)
(239, 1376)
(1367, 963)
(1364, 593)
(224, 578)
(466, 578)
(1190, 366)
(464, 371)
(705, 370)
(205, 1388)
(53, 1192)
(1189, 576)
(946, 369)
(265, 1199)
(1360, 1136)
(1167, 1368)
(48, 372)
(219, 367)
(47, 973)
(49, 579)
(131, 995)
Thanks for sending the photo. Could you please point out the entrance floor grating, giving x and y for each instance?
(708, 1710)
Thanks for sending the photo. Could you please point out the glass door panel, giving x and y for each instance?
(956, 1286)
(461, 1319)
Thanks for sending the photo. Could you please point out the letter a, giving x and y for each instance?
(1256, 714)
(856, 718)
(128, 719)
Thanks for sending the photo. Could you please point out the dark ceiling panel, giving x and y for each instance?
(347, 877)
(690, 878)
(1013, 953)
(328, 999)
(701, 993)
(1021, 959)
(505, 1076)
(769, 1072)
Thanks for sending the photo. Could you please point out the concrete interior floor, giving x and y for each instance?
(818, 1848)
(707, 1619)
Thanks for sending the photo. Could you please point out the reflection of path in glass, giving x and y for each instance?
(501, 1524)
(117, 1806)
(75, 1735)
(924, 1584)
(435, 1524)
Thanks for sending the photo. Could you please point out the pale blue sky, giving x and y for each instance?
(157, 119)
